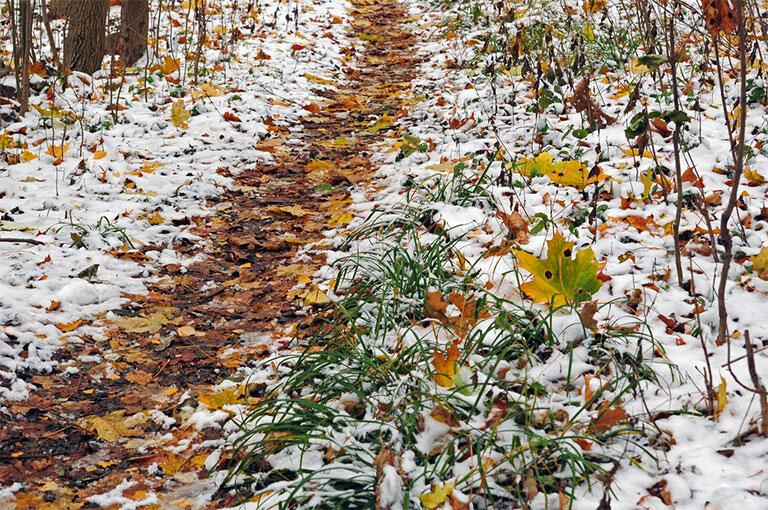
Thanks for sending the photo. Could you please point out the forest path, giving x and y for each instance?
(166, 350)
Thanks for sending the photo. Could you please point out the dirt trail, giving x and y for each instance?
(81, 435)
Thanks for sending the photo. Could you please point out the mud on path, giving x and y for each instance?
(84, 435)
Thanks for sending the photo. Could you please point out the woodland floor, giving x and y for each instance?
(249, 253)
(387, 254)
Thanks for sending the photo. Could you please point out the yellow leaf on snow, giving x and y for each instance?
(384, 122)
(317, 79)
(565, 173)
(169, 65)
(155, 219)
(436, 497)
(57, 151)
(179, 115)
(560, 279)
(206, 90)
(722, 398)
(66, 327)
(753, 175)
(647, 179)
(28, 156)
(760, 263)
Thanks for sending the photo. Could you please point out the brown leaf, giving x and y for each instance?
(516, 224)
(583, 101)
(231, 117)
(607, 417)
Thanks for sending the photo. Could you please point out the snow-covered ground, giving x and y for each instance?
(119, 186)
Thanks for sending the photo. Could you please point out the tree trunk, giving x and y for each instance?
(84, 43)
(134, 28)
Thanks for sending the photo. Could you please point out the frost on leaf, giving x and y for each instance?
(560, 279)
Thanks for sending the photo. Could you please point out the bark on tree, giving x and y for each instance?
(84, 43)
(131, 42)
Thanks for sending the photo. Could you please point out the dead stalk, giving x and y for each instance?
(737, 151)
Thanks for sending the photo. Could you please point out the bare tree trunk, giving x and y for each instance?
(58, 9)
(84, 43)
(131, 42)
(25, 21)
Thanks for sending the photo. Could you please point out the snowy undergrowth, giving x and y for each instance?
(100, 173)
(363, 411)
(360, 408)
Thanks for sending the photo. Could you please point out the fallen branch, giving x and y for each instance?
(19, 240)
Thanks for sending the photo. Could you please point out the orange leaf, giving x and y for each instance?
(231, 117)
(445, 365)
(66, 327)
(607, 417)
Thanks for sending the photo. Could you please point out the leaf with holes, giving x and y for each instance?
(560, 279)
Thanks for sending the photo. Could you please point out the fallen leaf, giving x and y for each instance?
(314, 296)
(560, 279)
(179, 114)
(607, 417)
(149, 324)
(760, 263)
(436, 497)
(111, 427)
(565, 173)
(66, 327)
(445, 365)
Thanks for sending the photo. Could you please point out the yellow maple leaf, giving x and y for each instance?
(169, 65)
(760, 263)
(445, 365)
(436, 497)
(560, 279)
(28, 156)
(179, 114)
(111, 427)
(565, 173)
(314, 296)
(57, 151)
(221, 398)
(152, 323)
